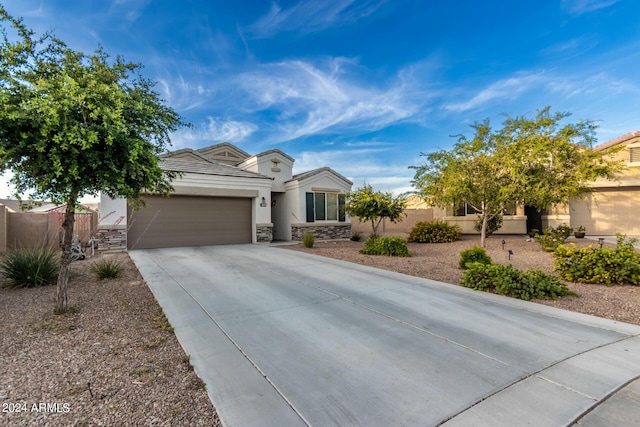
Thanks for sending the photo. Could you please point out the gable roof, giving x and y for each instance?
(209, 167)
(624, 138)
(275, 151)
(306, 175)
(186, 154)
(14, 205)
(225, 153)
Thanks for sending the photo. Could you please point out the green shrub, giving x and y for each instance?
(437, 231)
(308, 239)
(356, 236)
(551, 239)
(474, 254)
(599, 265)
(506, 280)
(494, 224)
(27, 268)
(390, 246)
(564, 230)
(106, 268)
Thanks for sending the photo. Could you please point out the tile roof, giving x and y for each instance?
(274, 150)
(309, 174)
(210, 168)
(617, 140)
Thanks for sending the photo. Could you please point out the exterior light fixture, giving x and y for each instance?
(510, 253)
(503, 243)
(601, 241)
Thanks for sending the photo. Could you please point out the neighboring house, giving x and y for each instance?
(611, 209)
(614, 205)
(227, 196)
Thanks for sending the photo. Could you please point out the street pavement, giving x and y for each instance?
(284, 338)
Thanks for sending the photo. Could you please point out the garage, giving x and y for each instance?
(177, 221)
(609, 211)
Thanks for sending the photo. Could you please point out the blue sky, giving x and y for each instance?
(364, 86)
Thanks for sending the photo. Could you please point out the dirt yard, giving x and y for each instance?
(113, 360)
(439, 261)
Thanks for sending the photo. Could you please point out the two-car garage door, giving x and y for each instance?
(189, 221)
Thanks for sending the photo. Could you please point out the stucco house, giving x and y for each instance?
(614, 205)
(611, 209)
(227, 196)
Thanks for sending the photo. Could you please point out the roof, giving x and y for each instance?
(305, 175)
(617, 140)
(274, 151)
(14, 205)
(210, 168)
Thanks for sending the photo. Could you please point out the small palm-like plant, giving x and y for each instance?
(31, 267)
(106, 268)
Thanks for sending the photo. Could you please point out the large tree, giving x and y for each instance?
(541, 162)
(73, 124)
(374, 206)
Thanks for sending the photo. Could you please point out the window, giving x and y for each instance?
(634, 154)
(325, 207)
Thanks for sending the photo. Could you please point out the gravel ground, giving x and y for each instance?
(114, 361)
(440, 262)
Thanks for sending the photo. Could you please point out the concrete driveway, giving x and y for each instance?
(283, 338)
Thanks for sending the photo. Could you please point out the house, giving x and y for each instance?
(614, 205)
(227, 196)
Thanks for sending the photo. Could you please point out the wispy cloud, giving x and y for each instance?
(578, 7)
(509, 89)
(311, 16)
(214, 130)
(132, 9)
(308, 99)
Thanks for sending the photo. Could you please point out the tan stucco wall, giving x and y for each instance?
(3, 228)
(608, 211)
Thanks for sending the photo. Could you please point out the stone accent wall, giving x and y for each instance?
(264, 233)
(322, 232)
(111, 239)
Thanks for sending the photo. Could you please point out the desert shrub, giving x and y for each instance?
(31, 267)
(564, 230)
(494, 224)
(106, 268)
(308, 239)
(434, 232)
(356, 236)
(551, 239)
(390, 246)
(474, 254)
(506, 280)
(599, 265)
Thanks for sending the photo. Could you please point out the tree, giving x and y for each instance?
(73, 125)
(372, 206)
(539, 162)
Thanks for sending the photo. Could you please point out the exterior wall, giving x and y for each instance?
(28, 229)
(511, 224)
(281, 170)
(413, 216)
(264, 233)
(112, 211)
(3, 228)
(322, 231)
(296, 207)
(111, 238)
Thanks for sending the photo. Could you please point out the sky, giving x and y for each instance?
(363, 86)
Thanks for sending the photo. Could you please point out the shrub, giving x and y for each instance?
(551, 239)
(564, 230)
(27, 268)
(599, 265)
(434, 232)
(494, 224)
(106, 268)
(506, 280)
(308, 239)
(356, 236)
(390, 246)
(474, 254)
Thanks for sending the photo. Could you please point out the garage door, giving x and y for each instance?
(189, 221)
(609, 212)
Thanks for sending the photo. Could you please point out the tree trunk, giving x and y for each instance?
(62, 303)
(483, 230)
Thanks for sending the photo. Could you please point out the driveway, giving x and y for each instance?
(284, 338)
